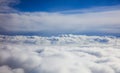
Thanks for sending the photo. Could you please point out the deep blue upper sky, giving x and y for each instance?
(61, 5)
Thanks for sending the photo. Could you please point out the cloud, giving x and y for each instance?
(105, 22)
(22, 57)
(6, 5)
(104, 19)
(78, 40)
(6, 69)
(92, 9)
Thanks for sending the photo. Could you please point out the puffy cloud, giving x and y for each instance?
(79, 40)
(18, 56)
(6, 69)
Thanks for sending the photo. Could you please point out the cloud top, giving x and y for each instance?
(35, 58)
(78, 40)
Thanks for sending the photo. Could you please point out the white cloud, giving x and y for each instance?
(6, 69)
(17, 56)
(106, 21)
(79, 40)
(92, 9)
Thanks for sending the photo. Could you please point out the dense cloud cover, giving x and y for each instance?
(35, 54)
(79, 40)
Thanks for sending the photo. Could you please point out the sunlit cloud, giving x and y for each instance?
(104, 19)
(35, 54)
(107, 21)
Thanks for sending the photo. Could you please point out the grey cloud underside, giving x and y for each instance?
(63, 54)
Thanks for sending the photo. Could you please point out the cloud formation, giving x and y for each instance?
(102, 20)
(71, 40)
(6, 6)
(33, 58)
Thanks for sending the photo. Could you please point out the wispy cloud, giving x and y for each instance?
(107, 21)
(91, 9)
(98, 19)
(5, 5)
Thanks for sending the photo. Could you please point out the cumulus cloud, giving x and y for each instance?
(17, 56)
(79, 40)
(6, 69)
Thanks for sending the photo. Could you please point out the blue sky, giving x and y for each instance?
(60, 5)
(55, 17)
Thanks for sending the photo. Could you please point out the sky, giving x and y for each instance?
(56, 17)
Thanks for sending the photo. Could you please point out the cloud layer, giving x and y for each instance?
(56, 22)
(71, 40)
(103, 19)
(26, 57)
